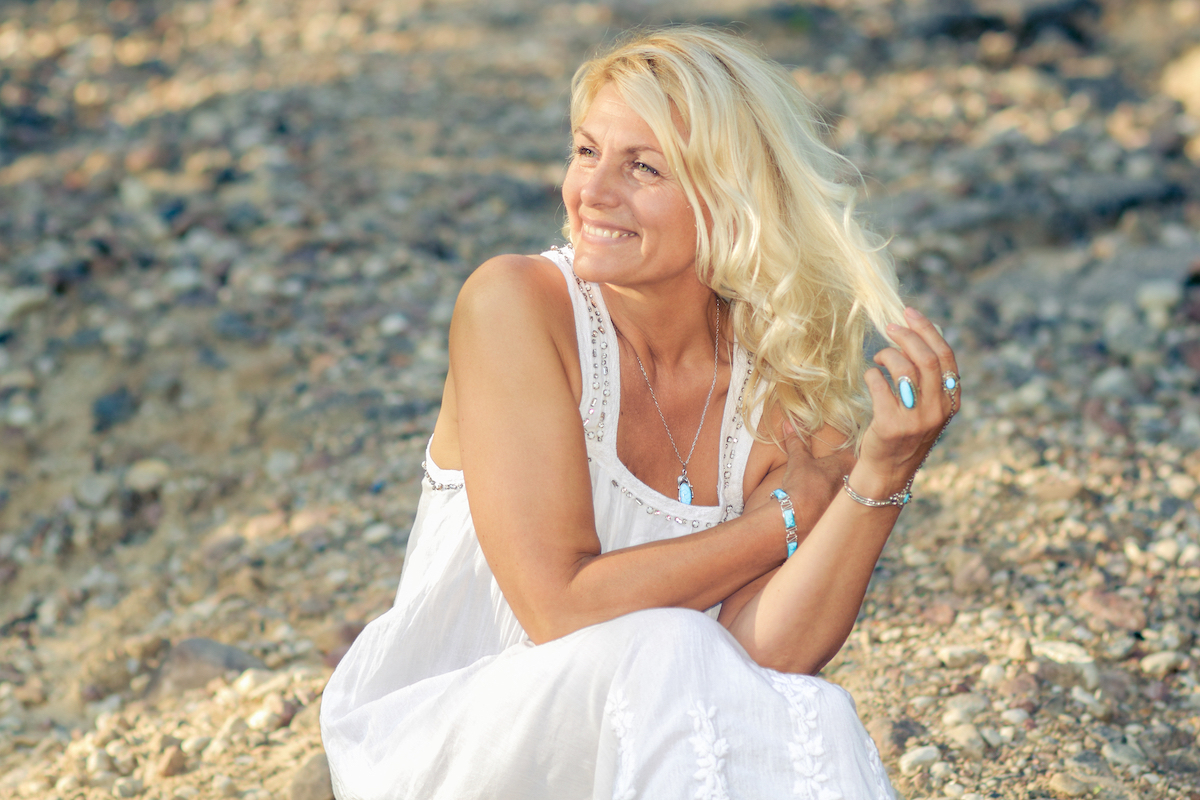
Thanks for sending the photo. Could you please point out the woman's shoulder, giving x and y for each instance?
(530, 281)
(513, 297)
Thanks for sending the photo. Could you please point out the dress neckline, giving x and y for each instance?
(612, 346)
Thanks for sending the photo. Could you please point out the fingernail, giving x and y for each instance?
(913, 313)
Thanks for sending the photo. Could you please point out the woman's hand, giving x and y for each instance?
(899, 438)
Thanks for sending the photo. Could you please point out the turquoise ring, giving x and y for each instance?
(907, 391)
(950, 382)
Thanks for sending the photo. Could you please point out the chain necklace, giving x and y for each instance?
(685, 486)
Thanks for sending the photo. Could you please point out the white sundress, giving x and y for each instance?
(444, 696)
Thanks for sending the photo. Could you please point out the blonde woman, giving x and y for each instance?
(667, 417)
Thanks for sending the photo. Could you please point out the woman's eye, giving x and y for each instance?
(644, 168)
(583, 150)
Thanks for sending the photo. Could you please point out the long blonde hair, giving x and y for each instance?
(804, 279)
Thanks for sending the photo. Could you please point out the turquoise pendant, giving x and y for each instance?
(685, 490)
(907, 392)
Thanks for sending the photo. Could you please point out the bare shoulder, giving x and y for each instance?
(514, 283)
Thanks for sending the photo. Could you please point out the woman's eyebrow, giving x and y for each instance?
(632, 149)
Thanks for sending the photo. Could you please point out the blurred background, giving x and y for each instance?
(231, 236)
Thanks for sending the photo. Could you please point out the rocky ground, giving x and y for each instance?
(231, 234)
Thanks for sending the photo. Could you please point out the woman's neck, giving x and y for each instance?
(668, 331)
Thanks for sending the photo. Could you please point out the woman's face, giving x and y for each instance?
(630, 222)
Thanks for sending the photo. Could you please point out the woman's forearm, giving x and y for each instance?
(695, 571)
(800, 619)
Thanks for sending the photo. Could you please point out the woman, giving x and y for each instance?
(707, 326)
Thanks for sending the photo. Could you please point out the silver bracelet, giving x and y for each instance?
(900, 498)
(904, 496)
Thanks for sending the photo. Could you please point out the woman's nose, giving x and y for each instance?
(599, 189)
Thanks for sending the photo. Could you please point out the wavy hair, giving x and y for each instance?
(803, 278)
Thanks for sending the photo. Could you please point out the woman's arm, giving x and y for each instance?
(798, 617)
(512, 350)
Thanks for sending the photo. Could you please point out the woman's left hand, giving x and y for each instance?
(899, 437)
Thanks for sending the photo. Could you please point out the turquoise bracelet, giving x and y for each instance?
(789, 519)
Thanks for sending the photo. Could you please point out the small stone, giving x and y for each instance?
(265, 719)
(34, 787)
(1123, 754)
(915, 759)
(955, 656)
(192, 663)
(112, 409)
(15, 303)
(1018, 649)
(313, 782)
(281, 463)
(1063, 785)
(1114, 609)
(1071, 655)
(146, 475)
(99, 761)
(223, 786)
(172, 762)
(890, 736)
(966, 738)
(68, 783)
(94, 490)
(1157, 299)
(991, 675)
(127, 787)
(1159, 665)
(1014, 716)
(393, 324)
(378, 533)
(194, 745)
(971, 576)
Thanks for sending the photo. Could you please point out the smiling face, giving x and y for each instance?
(630, 220)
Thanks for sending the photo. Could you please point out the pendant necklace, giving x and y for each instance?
(685, 486)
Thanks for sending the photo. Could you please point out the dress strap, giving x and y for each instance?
(592, 339)
(736, 438)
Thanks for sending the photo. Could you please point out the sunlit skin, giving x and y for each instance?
(510, 421)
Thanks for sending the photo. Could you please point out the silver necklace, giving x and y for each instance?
(685, 486)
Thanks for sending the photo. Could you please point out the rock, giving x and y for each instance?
(964, 708)
(1063, 785)
(1021, 690)
(127, 787)
(1014, 716)
(991, 675)
(112, 409)
(1181, 80)
(99, 761)
(16, 303)
(94, 490)
(1159, 665)
(194, 745)
(966, 737)
(313, 782)
(172, 762)
(956, 656)
(1157, 299)
(146, 475)
(1123, 754)
(1070, 655)
(1119, 611)
(192, 663)
(972, 575)
(911, 762)
(224, 786)
(890, 735)
(378, 533)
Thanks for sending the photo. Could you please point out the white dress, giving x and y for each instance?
(444, 696)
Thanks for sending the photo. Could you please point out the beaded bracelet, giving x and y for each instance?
(789, 519)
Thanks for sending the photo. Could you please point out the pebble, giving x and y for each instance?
(146, 475)
(911, 762)
(172, 762)
(312, 781)
(127, 787)
(956, 656)
(1120, 754)
(966, 738)
(1064, 785)
(192, 663)
(1159, 665)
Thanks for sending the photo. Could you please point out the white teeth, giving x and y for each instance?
(608, 234)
